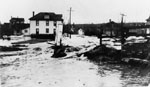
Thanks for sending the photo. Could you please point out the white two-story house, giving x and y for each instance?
(45, 24)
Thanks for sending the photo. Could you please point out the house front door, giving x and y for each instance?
(37, 31)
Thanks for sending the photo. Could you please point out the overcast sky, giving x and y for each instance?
(85, 11)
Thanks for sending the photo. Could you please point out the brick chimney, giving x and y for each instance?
(33, 13)
(109, 20)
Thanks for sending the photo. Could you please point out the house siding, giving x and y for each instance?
(42, 27)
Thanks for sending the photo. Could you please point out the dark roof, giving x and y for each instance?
(48, 15)
(6, 24)
(111, 24)
(16, 19)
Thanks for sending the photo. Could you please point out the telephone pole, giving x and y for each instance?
(70, 10)
(122, 30)
(122, 15)
(0, 31)
(70, 26)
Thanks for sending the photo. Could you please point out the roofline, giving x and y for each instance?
(31, 18)
(45, 20)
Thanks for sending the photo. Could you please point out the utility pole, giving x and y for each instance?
(0, 31)
(122, 30)
(70, 10)
(101, 32)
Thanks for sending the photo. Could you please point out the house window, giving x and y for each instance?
(47, 23)
(54, 31)
(46, 17)
(37, 30)
(37, 23)
(47, 30)
(55, 23)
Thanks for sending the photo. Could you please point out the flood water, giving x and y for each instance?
(42, 71)
(36, 68)
(119, 75)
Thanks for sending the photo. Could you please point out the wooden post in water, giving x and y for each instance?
(101, 32)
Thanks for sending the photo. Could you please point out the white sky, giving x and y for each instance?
(85, 11)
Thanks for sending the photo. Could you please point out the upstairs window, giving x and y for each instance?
(47, 30)
(47, 23)
(46, 17)
(37, 23)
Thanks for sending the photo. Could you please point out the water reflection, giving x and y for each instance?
(122, 75)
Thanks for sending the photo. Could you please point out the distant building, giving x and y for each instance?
(148, 21)
(138, 28)
(0, 30)
(14, 27)
(45, 25)
(111, 28)
(17, 20)
(6, 29)
(134, 28)
(18, 25)
(145, 30)
(80, 32)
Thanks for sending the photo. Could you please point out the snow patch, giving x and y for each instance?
(5, 43)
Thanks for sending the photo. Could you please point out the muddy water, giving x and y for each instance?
(118, 75)
(73, 72)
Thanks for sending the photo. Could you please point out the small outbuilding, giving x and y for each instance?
(80, 32)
